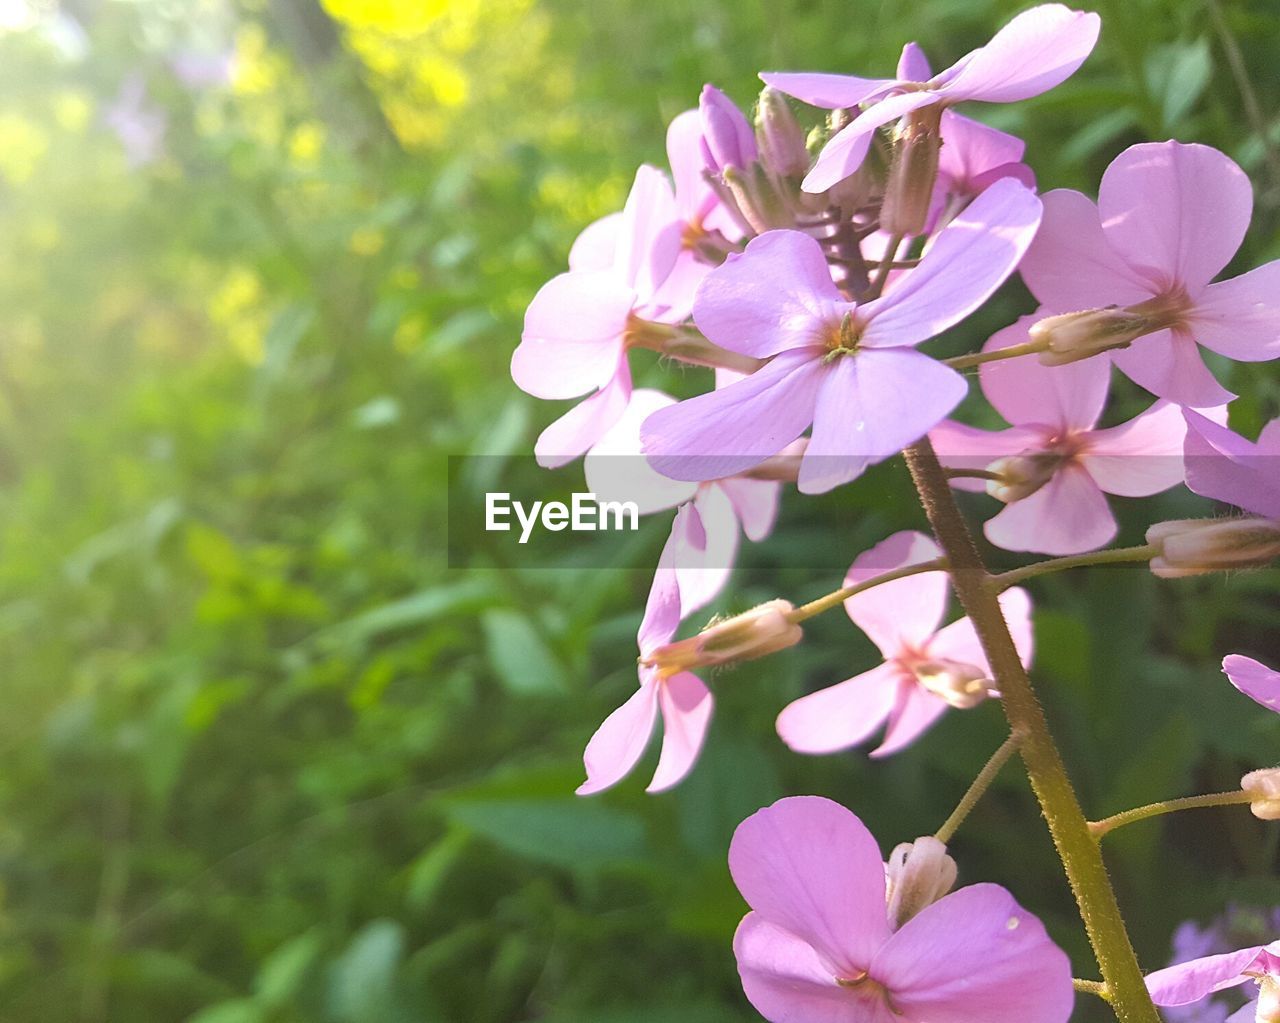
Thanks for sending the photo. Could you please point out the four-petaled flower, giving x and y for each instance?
(818, 946)
(1191, 981)
(926, 669)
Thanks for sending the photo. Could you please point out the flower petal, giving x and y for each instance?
(649, 237)
(575, 432)
(904, 612)
(915, 713)
(1178, 209)
(572, 335)
(976, 956)
(728, 431)
(913, 65)
(965, 263)
(841, 715)
(1071, 266)
(1240, 318)
(1254, 679)
(959, 640)
(686, 706)
(1224, 466)
(775, 296)
(810, 866)
(620, 741)
(818, 89)
(755, 502)
(596, 245)
(787, 982)
(1189, 982)
(1068, 515)
(959, 446)
(1069, 397)
(704, 557)
(615, 470)
(1168, 364)
(844, 154)
(1037, 50)
(1141, 457)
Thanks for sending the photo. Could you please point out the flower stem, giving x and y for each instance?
(1116, 556)
(1142, 813)
(1077, 848)
(882, 271)
(1092, 987)
(979, 787)
(836, 597)
(1012, 352)
(974, 474)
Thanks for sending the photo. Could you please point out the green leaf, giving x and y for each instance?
(239, 1011)
(576, 833)
(282, 975)
(362, 982)
(522, 661)
(1178, 75)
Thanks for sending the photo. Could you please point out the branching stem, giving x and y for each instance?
(1142, 813)
(979, 787)
(837, 597)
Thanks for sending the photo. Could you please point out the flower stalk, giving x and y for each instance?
(1142, 813)
(1077, 847)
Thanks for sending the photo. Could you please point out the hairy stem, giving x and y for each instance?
(1012, 352)
(1142, 813)
(979, 787)
(1092, 987)
(1077, 848)
(837, 597)
(1116, 556)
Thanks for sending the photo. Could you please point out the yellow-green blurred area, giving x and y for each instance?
(264, 757)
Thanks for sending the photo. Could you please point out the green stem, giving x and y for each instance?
(1077, 848)
(837, 597)
(1012, 352)
(974, 474)
(1092, 987)
(1142, 813)
(979, 787)
(1117, 556)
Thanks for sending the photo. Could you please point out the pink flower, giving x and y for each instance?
(1254, 679)
(683, 700)
(926, 669)
(1169, 218)
(1037, 50)
(1223, 465)
(575, 329)
(720, 510)
(1191, 981)
(851, 371)
(1055, 455)
(974, 157)
(818, 947)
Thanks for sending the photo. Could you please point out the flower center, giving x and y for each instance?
(842, 338)
(863, 985)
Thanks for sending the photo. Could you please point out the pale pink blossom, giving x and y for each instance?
(1034, 52)
(720, 510)
(818, 945)
(681, 698)
(1189, 982)
(1226, 467)
(1254, 679)
(927, 667)
(576, 327)
(1169, 217)
(1066, 464)
(850, 371)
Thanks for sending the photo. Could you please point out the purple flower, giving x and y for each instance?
(1254, 679)
(1192, 981)
(1169, 217)
(818, 946)
(1224, 466)
(1037, 50)
(851, 371)
(926, 668)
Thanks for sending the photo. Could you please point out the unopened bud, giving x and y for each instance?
(918, 874)
(961, 685)
(1195, 546)
(779, 137)
(763, 630)
(1022, 475)
(1268, 1009)
(1263, 787)
(1075, 336)
(912, 173)
(757, 199)
(727, 139)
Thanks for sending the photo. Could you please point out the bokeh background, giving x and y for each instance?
(266, 756)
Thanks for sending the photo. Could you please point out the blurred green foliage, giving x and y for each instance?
(265, 757)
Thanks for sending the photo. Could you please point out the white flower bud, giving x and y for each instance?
(1195, 546)
(961, 685)
(1074, 336)
(1022, 475)
(763, 630)
(918, 874)
(1264, 787)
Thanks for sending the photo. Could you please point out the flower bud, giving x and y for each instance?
(912, 173)
(1075, 336)
(763, 630)
(918, 874)
(1022, 475)
(1263, 786)
(1195, 546)
(727, 139)
(961, 685)
(779, 137)
(757, 199)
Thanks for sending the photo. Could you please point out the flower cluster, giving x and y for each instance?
(810, 271)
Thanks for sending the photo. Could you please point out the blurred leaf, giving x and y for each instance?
(362, 979)
(281, 976)
(522, 661)
(238, 1011)
(579, 834)
(1178, 75)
